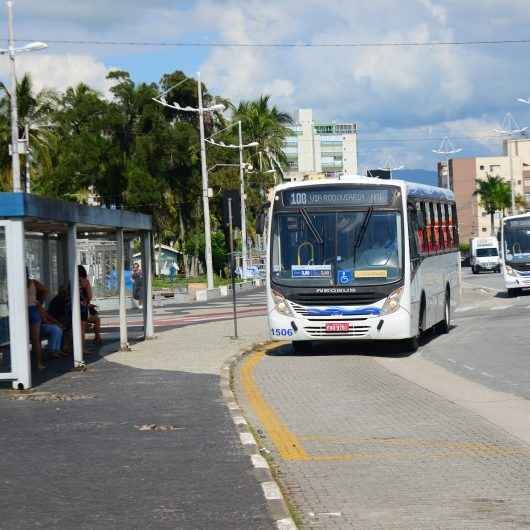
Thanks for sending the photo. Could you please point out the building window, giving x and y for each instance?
(527, 182)
(482, 168)
(484, 229)
(527, 198)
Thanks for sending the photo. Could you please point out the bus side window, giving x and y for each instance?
(420, 218)
(426, 228)
(413, 235)
(429, 227)
(448, 228)
(456, 241)
(441, 227)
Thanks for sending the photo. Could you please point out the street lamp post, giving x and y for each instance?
(205, 198)
(447, 148)
(242, 166)
(204, 169)
(12, 52)
(510, 128)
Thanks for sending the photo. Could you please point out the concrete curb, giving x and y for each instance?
(271, 489)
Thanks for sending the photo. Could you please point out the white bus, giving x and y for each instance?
(361, 258)
(515, 244)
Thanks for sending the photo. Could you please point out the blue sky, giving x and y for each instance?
(403, 99)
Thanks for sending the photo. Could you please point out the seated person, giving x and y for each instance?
(52, 330)
(60, 309)
(93, 318)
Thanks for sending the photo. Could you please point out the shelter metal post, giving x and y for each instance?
(18, 305)
(149, 331)
(74, 295)
(124, 341)
(46, 276)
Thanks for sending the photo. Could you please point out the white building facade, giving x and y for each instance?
(327, 149)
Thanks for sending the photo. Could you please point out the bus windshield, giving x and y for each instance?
(487, 252)
(517, 240)
(336, 248)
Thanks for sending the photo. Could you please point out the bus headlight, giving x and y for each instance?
(280, 303)
(392, 302)
(509, 271)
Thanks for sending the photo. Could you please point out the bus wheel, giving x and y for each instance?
(474, 269)
(414, 342)
(445, 325)
(302, 346)
(514, 292)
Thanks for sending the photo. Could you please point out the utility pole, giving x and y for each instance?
(15, 160)
(244, 252)
(205, 198)
(28, 158)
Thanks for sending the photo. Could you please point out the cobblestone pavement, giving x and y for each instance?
(140, 440)
(358, 447)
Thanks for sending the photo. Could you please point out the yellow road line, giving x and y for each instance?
(287, 444)
(290, 447)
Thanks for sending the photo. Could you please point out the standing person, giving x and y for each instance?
(138, 285)
(85, 295)
(36, 292)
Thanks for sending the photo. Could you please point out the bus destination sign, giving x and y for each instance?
(338, 197)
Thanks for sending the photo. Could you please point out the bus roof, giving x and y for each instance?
(519, 216)
(412, 189)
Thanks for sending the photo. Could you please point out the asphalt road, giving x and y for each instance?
(490, 342)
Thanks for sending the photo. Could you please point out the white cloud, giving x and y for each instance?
(60, 71)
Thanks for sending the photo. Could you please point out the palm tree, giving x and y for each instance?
(520, 202)
(266, 125)
(34, 112)
(495, 196)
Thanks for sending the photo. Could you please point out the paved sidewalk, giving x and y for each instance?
(141, 440)
(358, 447)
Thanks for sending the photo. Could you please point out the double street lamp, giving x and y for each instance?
(510, 128)
(242, 166)
(204, 170)
(12, 51)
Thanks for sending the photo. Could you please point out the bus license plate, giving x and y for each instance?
(337, 326)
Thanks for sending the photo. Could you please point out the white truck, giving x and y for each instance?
(484, 254)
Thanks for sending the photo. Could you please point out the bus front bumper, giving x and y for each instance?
(395, 326)
(516, 282)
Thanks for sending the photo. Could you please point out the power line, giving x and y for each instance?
(410, 44)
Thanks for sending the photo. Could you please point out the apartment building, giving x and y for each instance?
(326, 149)
(513, 166)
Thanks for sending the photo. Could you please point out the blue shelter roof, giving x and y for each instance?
(26, 206)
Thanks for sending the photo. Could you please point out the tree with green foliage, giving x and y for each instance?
(495, 196)
(34, 113)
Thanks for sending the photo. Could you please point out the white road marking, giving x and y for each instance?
(259, 462)
(247, 438)
(451, 360)
(285, 524)
(271, 491)
(527, 306)
(464, 309)
(239, 420)
(485, 374)
(233, 406)
(467, 367)
(500, 308)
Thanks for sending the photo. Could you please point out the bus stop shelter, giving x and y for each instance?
(60, 224)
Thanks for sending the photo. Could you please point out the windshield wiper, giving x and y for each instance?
(362, 231)
(311, 226)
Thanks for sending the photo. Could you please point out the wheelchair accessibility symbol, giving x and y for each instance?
(344, 277)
